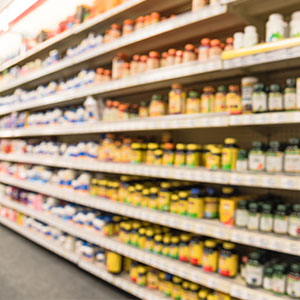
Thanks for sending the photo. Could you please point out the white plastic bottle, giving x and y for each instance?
(276, 28)
(250, 36)
(238, 40)
(92, 109)
(295, 24)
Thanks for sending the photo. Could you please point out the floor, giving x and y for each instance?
(30, 272)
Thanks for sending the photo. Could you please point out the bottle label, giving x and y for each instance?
(274, 163)
(278, 284)
(294, 226)
(256, 162)
(254, 275)
(290, 101)
(242, 165)
(253, 221)
(266, 223)
(241, 217)
(293, 286)
(259, 102)
(275, 102)
(281, 224)
(292, 163)
(267, 283)
(247, 98)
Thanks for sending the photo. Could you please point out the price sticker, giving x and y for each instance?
(212, 283)
(289, 182)
(276, 244)
(293, 247)
(200, 228)
(269, 181)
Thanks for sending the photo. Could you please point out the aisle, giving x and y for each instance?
(29, 272)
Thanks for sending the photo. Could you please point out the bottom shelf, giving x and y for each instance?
(121, 281)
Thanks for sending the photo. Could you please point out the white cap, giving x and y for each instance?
(275, 17)
(238, 35)
(250, 29)
(296, 15)
(249, 79)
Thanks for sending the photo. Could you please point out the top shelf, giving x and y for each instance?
(134, 8)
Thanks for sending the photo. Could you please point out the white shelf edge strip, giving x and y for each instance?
(169, 265)
(69, 33)
(199, 174)
(147, 33)
(200, 226)
(120, 281)
(158, 123)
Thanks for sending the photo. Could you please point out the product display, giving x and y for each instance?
(155, 144)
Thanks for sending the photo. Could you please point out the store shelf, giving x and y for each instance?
(170, 122)
(199, 174)
(121, 281)
(40, 240)
(184, 27)
(200, 226)
(74, 35)
(163, 77)
(186, 271)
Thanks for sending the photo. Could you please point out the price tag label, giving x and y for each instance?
(212, 283)
(289, 182)
(269, 180)
(276, 244)
(252, 180)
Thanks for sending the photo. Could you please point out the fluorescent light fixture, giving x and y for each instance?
(15, 9)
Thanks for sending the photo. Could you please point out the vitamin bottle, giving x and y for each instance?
(168, 155)
(281, 219)
(233, 100)
(164, 196)
(211, 208)
(247, 91)
(210, 256)
(254, 270)
(219, 104)
(185, 290)
(257, 157)
(266, 218)
(275, 102)
(292, 156)
(176, 288)
(177, 99)
(141, 277)
(229, 154)
(153, 198)
(192, 155)
(193, 103)
(171, 57)
(195, 207)
(274, 157)
(228, 260)
(189, 53)
(204, 50)
(293, 281)
(198, 4)
(250, 36)
(267, 281)
(227, 206)
(215, 49)
(241, 214)
(134, 65)
(275, 28)
(128, 26)
(294, 221)
(182, 203)
(253, 216)
(179, 57)
(259, 98)
(113, 262)
(157, 106)
(242, 161)
(193, 292)
(153, 60)
(214, 159)
(184, 251)
(180, 155)
(290, 95)
(157, 247)
(279, 279)
(196, 251)
(174, 247)
(295, 24)
(207, 99)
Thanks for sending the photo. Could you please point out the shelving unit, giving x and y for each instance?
(212, 21)
(121, 281)
(235, 287)
(209, 228)
(199, 174)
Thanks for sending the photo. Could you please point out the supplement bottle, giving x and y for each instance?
(259, 98)
(247, 91)
(228, 260)
(294, 221)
